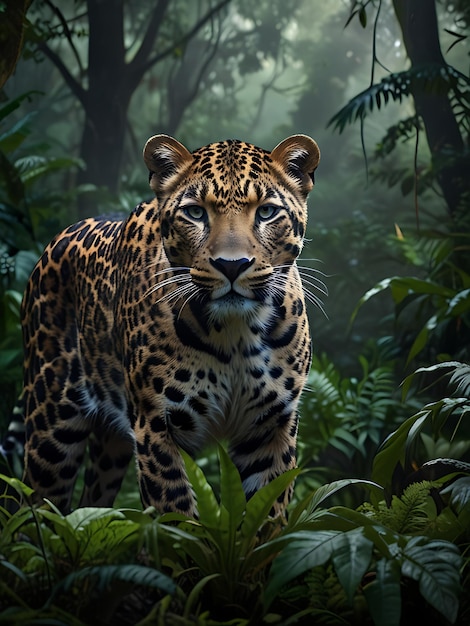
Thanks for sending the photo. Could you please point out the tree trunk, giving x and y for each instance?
(418, 22)
(111, 84)
(12, 24)
(107, 97)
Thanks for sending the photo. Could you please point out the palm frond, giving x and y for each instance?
(431, 78)
(103, 576)
(461, 378)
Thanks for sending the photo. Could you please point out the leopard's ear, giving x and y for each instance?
(165, 157)
(298, 156)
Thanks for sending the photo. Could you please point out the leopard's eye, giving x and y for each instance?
(266, 212)
(195, 212)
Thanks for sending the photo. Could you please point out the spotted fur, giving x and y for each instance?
(184, 324)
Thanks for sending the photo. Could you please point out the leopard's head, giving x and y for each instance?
(233, 216)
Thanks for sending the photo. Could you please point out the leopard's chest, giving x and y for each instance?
(215, 391)
(217, 401)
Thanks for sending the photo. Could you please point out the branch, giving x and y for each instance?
(177, 110)
(67, 32)
(72, 83)
(265, 87)
(151, 34)
(169, 50)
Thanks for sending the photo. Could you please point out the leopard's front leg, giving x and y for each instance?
(161, 471)
(265, 452)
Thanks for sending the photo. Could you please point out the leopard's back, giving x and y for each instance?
(73, 381)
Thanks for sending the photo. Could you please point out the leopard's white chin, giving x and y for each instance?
(234, 305)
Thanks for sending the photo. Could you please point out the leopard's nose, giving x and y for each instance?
(231, 268)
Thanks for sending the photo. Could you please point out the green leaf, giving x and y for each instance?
(17, 485)
(232, 496)
(403, 286)
(143, 518)
(351, 558)
(406, 384)
(87, 515)
(14, 521)
(24, 616)
(461, 378)
(91, 532)
(351, 16)
(305, 509)
(395, 86)
(12, 105)
(207, 505)
(378, 288)
(11, 139)
(393, 449)
(436, 566)
(14, 569)
(422, 338)
(305, 550)
(459, 491)
(459, 304)
(33, 167)
(383, 538)
(193, 596)
(413, 433)
(259, 505)
(104, 575)
(383, 595)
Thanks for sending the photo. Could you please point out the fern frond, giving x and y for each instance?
(104, 576)
(403, 130)
(408, 514)
(325, 391)
(433, 78)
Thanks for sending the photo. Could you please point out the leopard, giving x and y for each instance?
(178, 326)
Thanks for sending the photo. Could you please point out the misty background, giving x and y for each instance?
(95, 79)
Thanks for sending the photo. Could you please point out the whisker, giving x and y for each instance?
(196, 291)
(316, 283)
(181, 278)
(315, 300)
(307, 278)
(278, 291)
(158, 262)
(313, 270)
(165, 283)
(313, 281)
(176, 293)
(279, 286)
(304, 268)
(166, 270)
(312, 259)
(309, 295)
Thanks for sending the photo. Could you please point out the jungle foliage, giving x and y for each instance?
(397, 553)
(378, 529)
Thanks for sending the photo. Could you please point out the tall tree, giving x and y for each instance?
(418, 23)
(440, 93)
(105, 85)
(179, 50)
